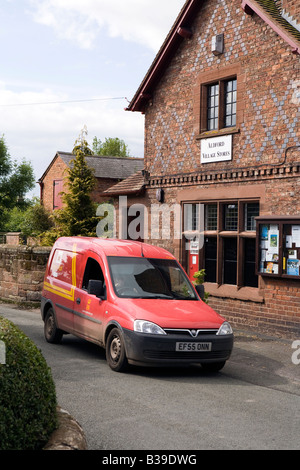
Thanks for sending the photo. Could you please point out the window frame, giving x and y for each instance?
(240, 234)
(206, 79)
(221, 96)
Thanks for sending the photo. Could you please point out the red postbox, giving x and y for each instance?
(193, 265)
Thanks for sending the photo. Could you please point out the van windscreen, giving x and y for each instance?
(149, 278)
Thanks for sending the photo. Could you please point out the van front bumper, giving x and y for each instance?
(165, 350)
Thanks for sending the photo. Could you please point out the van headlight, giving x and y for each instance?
(144, 326)
(225, 329)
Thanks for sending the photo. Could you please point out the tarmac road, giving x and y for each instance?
(253, 403)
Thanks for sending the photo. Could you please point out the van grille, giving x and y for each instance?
(190, 332)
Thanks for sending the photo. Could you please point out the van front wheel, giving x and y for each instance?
(115, 351)
(51, 332)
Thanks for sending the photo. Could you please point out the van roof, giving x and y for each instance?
(112, 247)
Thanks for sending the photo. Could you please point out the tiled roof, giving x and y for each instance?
(117, 168)
(271, 7)
(109, 167)
(134, 184)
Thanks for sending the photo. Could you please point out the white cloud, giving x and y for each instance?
(146, 22)
(36, 132)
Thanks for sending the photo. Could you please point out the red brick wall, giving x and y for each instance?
(59, 171)
(269, 76)
(101, 185)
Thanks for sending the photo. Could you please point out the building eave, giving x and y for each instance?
(180, 31)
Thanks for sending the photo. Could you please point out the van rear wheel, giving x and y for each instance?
(51, 332)
(115, 351)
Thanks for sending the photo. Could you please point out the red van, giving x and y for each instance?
(133, 299)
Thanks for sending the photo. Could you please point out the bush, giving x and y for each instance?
(27, 393)
(199, 277)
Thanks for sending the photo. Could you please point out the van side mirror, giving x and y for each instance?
(200, 290)
(96, 288)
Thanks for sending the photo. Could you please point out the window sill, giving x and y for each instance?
(252, 294)
(217, 133)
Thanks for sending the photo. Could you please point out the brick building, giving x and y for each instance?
(108, 171)
(222, 141)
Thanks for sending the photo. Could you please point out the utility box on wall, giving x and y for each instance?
(217, 44)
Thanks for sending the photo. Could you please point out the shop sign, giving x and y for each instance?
(216, 149)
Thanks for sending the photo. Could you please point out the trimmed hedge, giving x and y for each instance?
(27, 393)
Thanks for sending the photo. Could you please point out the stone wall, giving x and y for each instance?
(22, 270)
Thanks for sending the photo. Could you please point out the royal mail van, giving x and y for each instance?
(134, 300)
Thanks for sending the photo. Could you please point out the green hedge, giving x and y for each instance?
(27, 393)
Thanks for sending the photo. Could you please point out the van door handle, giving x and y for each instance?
(78, 300)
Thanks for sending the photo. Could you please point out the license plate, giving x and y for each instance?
(197, 347)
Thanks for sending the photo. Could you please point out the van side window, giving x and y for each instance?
(61, 267)
(92, 271)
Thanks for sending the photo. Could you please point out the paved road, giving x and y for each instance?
(253, 403)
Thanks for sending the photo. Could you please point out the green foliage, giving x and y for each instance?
(199, 276)
(15, 181)
(13, 220)
(36, 220)
(78, 216)
(31, 221)
(114, 147)
(199, 279)
(28, 398)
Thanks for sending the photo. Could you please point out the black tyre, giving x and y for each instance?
(213, 366)
(51, 332)
(115, 351)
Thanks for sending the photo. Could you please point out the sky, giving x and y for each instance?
(67, 65)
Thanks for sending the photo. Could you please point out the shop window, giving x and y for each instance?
(210, 260)
(251, 211)
(228, 251)
(211, 217)
(230, 257)
(278, 249)
(231, 217)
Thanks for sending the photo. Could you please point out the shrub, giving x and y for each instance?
(199, 279)
(27, 398)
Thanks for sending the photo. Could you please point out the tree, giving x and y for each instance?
(15, 181)
(114, 147)
(78, 215)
